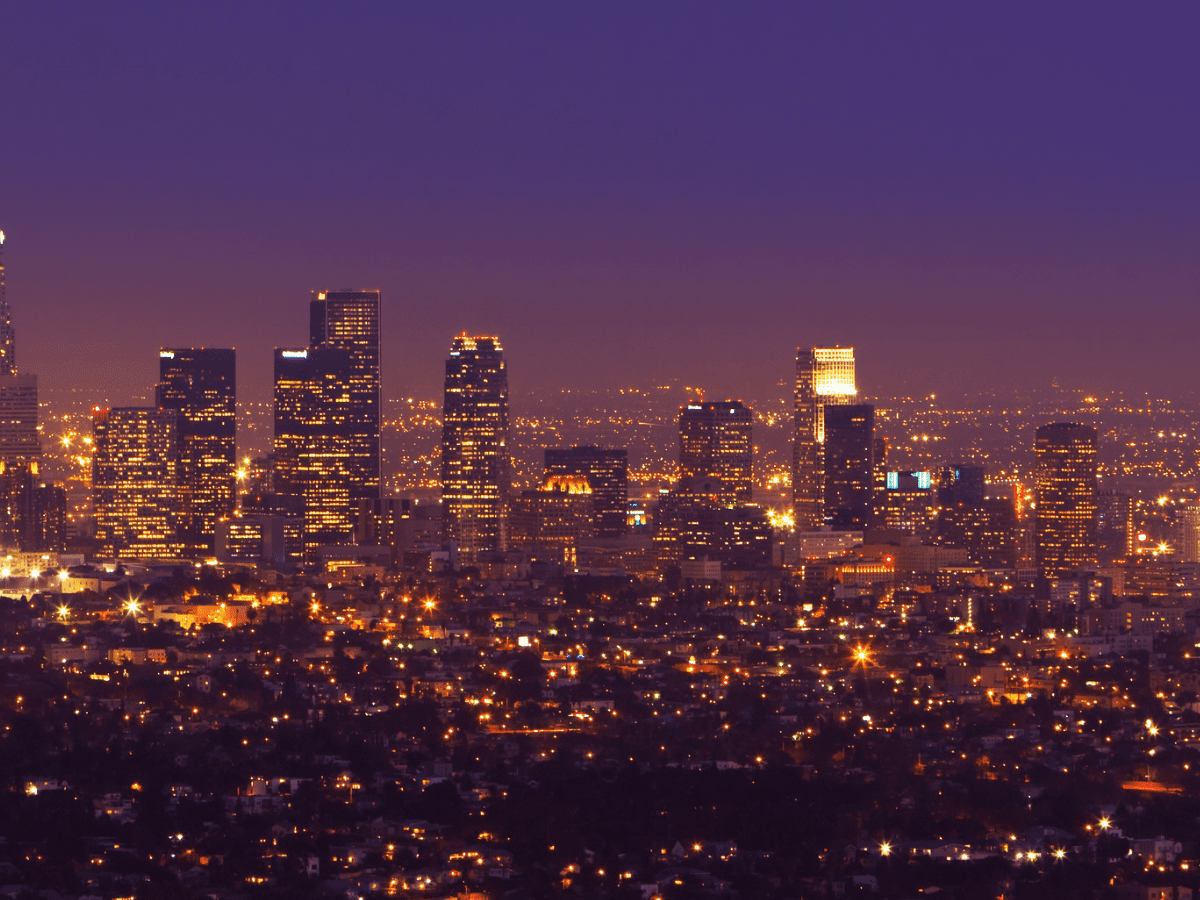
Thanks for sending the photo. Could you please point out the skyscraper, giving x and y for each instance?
(201, 386)
(19, 440)
(475, 456)
(824, 377)
(849, 465)
(313, 457)
(715, 442)
(607, 474)
(135, 482)
(1065, 498)
(349, 321)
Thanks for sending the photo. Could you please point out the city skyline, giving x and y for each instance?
(946, 193)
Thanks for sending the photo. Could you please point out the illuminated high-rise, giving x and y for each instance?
(715, 442)
(1065, 498)
(475, 454)
(349, 321)
(19, 439)
(824, 377)
(201, 386)
(135, 482)
(313, 456)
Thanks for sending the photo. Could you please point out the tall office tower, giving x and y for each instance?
(607, 474)
(135, 482)
(313, 454)
(349, 321)
(849, 466)
(824, 377)
(1189, 533)
(201, 386)
(716, 443)
(8, 349)
(19, 440)
(1114, 527)
(475, 457)
(1065, 497)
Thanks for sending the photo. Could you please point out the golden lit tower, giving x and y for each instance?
(349, 321)
(313, 456)
(135, 482)
(715, 442)
(475, 458)
(201, 386)
(1065, 498)
(824, 377)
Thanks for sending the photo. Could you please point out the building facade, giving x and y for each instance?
(476, 468)
(1065, 498)
(349, 321)
(201, 386)
(716, 443)
(849, 466)
(824, 377)
(313, 454)
(607, 474)
(135, 482)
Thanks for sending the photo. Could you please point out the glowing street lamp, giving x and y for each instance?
(885, 849)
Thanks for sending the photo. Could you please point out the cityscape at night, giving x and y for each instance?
(639, 453)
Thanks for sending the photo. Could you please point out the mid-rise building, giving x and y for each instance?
(1065, 499)
(1188, 519)
(908, 502)
(8, 350)
(553, 519)
(849, 466)
(475, 453)
(716, 443)
(349, 321)
(201, 386)
(33, 514)
(135, 482)
(824, 378)
(312, 451)
(607, 475)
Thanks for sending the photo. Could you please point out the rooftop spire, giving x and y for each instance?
(8, 343)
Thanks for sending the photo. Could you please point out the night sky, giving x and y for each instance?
(971, 195)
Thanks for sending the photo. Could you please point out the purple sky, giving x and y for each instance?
(968, 194)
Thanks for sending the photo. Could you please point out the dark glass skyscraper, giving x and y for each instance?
(849, 467)
(349, 321)
(201, 386)
(475, 455)
(607, 473)
(715, 442)
(1065, 497)
(19, 440)
(313, 456)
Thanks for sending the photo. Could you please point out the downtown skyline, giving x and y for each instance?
(952, 194)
